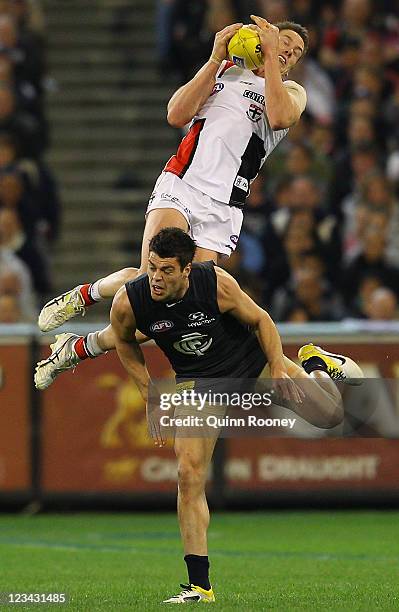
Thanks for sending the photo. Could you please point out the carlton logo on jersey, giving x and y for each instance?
(193, 344)
(161, 326)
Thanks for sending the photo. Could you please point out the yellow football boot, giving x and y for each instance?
(338, 367)
(192, 594)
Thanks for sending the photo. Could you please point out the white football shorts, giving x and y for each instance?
(212, 225)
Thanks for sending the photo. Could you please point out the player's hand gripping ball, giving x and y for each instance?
(244, 49)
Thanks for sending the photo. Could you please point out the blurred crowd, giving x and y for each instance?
(29, 205)
(320, 240)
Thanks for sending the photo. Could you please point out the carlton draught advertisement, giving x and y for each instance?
(14, 418)
(93, 434)
(94, 438)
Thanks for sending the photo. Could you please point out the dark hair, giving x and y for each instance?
(173, 242)
(295, 27)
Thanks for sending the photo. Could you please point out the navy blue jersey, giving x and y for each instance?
(198, 340)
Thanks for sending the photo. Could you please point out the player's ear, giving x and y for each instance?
(187, 270)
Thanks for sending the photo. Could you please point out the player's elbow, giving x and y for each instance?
(173, 121)
(276, 126)
(176, 119)
(281, 120)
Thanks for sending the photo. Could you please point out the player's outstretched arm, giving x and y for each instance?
(187, 101)
(231, 298)
(123, 323)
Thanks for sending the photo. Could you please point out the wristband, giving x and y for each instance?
(215, 59)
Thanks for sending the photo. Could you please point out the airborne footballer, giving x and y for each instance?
(237, 118)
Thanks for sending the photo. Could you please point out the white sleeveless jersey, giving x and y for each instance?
(229, 140)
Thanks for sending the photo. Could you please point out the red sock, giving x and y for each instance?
(85, 293)
(80, 348)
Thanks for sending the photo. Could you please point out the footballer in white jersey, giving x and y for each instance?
(229, 139)
(237, 118)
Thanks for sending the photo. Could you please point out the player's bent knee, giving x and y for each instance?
(333, 416)
(337, 416)
(191, 476)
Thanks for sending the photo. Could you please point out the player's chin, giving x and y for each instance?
(284, 69)
(158, 294)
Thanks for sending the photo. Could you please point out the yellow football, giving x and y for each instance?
(245, 50)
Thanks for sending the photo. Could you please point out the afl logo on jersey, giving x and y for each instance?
(161, 326)
(193, 344)
(217, 87)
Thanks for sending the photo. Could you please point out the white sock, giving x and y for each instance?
(92, 345)
(95, 292)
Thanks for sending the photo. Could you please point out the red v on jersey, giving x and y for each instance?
(225, 67)
(179, 163)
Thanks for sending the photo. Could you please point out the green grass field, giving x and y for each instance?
(260, 561)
